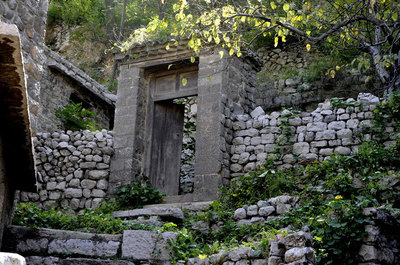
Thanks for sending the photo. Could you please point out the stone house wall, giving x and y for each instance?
(49, 86)
(73, 169)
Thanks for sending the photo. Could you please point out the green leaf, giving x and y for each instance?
(184, 81)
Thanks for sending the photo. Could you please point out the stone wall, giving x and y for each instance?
(50, 79)
(274, 90)
(73, 169)
(292, 250)
(300, 137)
(381, 243)
(265, 210)
(66, 82)
(30, 17)
(58, 247)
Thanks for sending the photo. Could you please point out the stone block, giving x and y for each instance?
(73, 193)
(241, 253)
(97, 174)
(300, 254)
(368, 253)
(301, 148)
(146, 245)
(84, 247)
(337, 125)
(257, 112)
(325, 135)
(266, 211)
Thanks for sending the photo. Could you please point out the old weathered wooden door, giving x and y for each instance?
(166, 146)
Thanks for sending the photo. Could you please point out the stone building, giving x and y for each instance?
(16, 159)
(149, 124)
(52, 82)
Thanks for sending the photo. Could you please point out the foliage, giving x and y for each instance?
(88, 14)
(261, 184)
(386, 113)
(138, 193)
(94, 221)
(370, 26)
(74, 117)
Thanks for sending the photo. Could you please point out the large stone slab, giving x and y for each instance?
(82, 261)
(175, 213)
(146, 245)
(50, 241)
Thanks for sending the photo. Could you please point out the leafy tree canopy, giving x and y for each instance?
(371, 26)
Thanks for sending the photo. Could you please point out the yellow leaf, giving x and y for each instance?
(169, 66)
(202, 256)
(221, 54)
(184, 81)
(192, 59)
(286, 7)
(239, 54)
(308, 47)
(308, 32)
(337, 67)
(231, 52)
(276, 42)
(283, 38)
(273, 5)
(167, 47)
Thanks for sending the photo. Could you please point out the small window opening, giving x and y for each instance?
(76, 99)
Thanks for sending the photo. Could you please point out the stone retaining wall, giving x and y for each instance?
(301, 137)
(58, 247)
(73, 169)
(292, 249)
(265, 210)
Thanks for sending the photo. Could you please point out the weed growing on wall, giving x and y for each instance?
(74, 117)
(137, 193)
(94, 221)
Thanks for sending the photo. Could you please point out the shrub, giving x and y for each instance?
(74, 117)
(138, 193)
(94, 221)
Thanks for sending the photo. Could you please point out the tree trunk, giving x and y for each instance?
(120, 39)
(110, 17)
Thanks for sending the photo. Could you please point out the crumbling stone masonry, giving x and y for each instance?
(150, 78)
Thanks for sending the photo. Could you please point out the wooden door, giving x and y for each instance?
(166, 146)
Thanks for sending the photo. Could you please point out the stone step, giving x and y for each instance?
(166, 214)
(191, 206)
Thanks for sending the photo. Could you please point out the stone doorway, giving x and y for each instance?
(165, 127)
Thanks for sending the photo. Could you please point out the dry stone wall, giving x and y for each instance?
(72, 168)
(265, 210)
(300, 137)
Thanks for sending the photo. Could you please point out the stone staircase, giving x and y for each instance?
(158, 214)
(58, 247)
